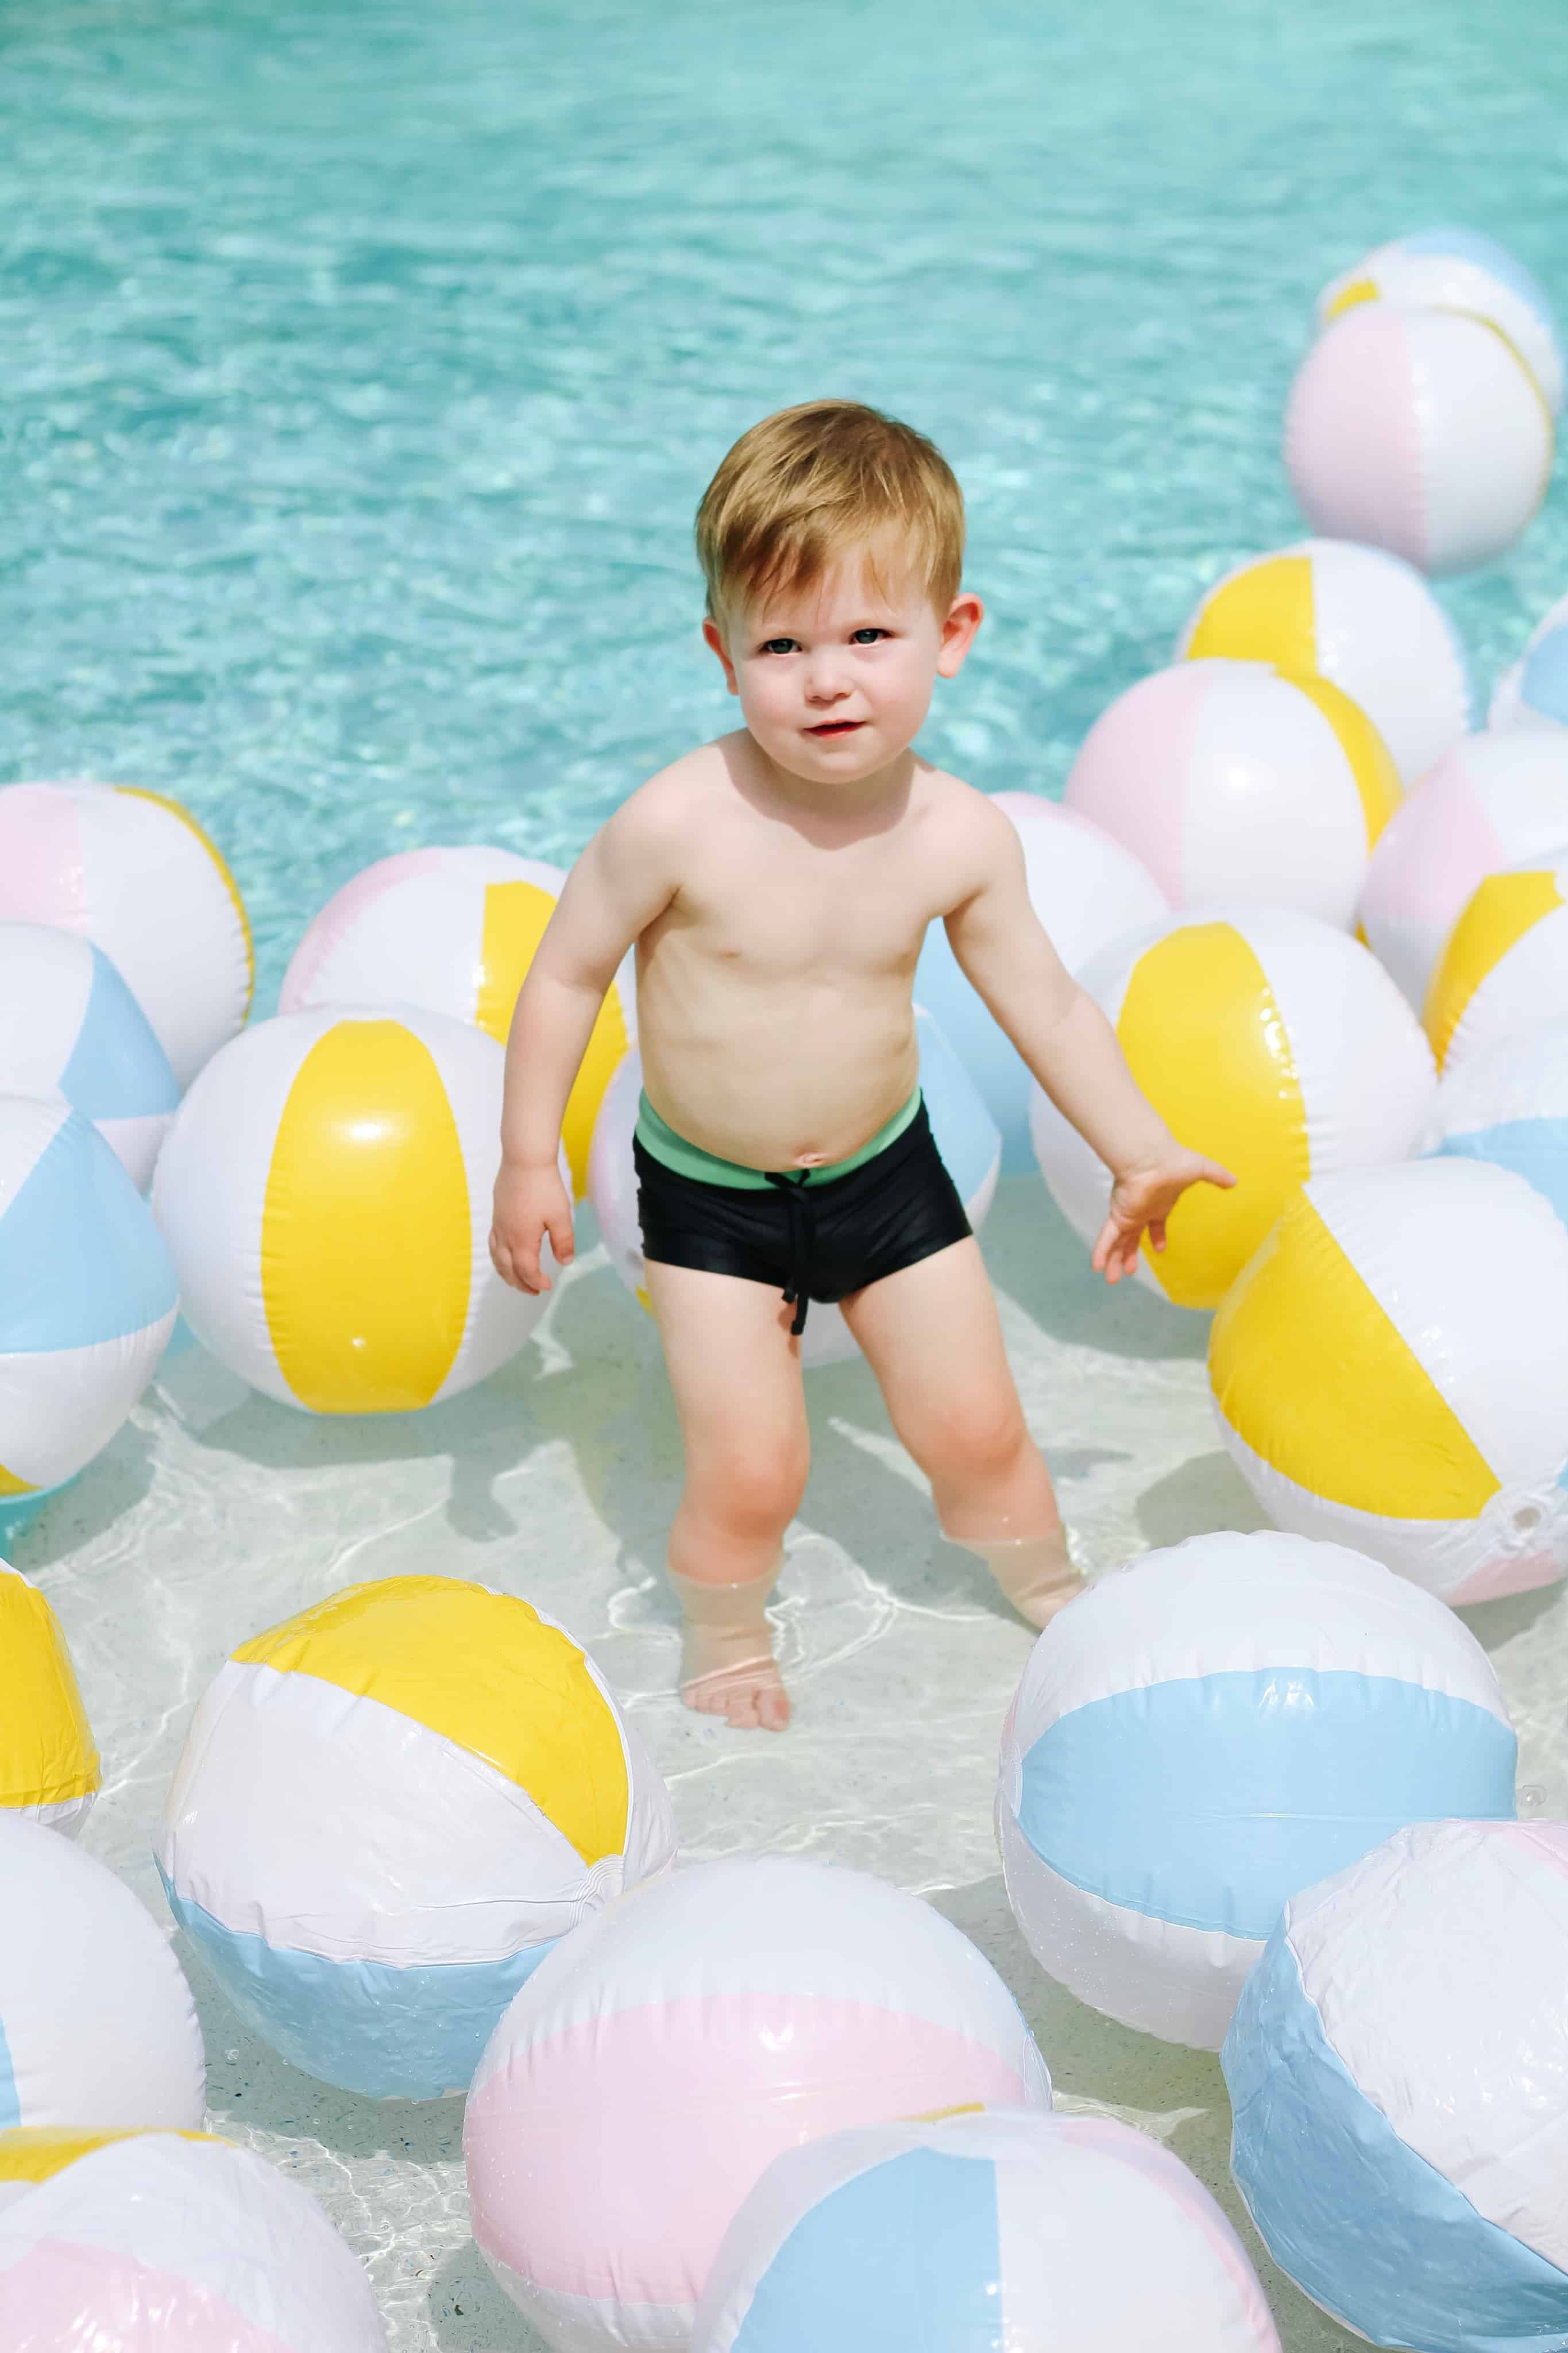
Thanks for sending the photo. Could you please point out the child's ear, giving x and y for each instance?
(964, 616)
(714, 635)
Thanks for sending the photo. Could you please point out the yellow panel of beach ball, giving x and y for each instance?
(325, 1195)
(1273, 1043)
(455, 930)
(1505, 968)
(48, 1764)
(1361, 618)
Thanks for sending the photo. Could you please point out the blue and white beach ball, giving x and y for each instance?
(1398, 2070)
(87, 1295)
(1508, 1102)
(1204, 1732)
(1463, 269)
(986, 2234)
(68, 1025)
(388, 1811)
(967, 1137)
(1533, 690)
(97, 2026)
(1086, 889)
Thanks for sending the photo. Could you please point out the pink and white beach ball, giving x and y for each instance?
(1491, 802)
(148, 2241)
(1231, 781)
(1421, 431)
(666, 2052)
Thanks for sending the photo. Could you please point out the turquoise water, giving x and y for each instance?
(364, 361)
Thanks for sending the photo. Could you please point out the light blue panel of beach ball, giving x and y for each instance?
(1533, 690)
(1508, 1102)
(69, 1026)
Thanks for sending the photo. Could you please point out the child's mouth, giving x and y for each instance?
(836, 727)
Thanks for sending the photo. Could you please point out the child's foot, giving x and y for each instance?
(1035, 1573)
(727, 1665)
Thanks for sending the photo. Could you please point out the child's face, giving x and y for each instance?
(835, 680)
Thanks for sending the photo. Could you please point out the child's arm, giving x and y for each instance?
(621, 882)
(1071, 1049)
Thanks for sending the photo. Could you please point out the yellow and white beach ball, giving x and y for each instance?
(1391, 1372)
(145, 2241)
(87, 1296)
(1490, 801)
(325, 1193)
(1505, 967)
(48, 1765)
(1359, 617)
(388, 1811)
(455, 931)
(1274, 1044)
(1462, 270)
(136, 874)
(1231, 781)
(97, 2026)
(1421, 431)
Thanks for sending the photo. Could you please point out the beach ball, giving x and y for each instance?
(674, 2046)
(1231, 781)
(1391, 1371)
(455, 931)
(48, 1765)
(97, 2026)
(1398, 2073)
(1087, 891)
(966, 1138)
(169, 2242)
(1420, 431)
(1361, 618)
(1505, 965)
(1273, 1043)
(134, 873)
(70, 1026)
(1460, 269)
(1507, 1103)
(87, 1295)
(1489, 802)
(1211, 1729)
(1533, 690)
(387, 1811)
(1002, 2232)
(325, 1192)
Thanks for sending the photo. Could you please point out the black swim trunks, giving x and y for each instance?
(811, 1241)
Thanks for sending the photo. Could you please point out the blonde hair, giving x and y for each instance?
(811, 485)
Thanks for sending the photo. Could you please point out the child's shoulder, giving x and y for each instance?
(960, 817)
(678, 796)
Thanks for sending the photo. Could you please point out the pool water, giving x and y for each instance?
(363, 363)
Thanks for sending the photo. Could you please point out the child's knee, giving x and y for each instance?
(756, 1495)
(979, 1443)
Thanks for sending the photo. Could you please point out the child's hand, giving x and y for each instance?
(1144, 1198)
(529, 1204)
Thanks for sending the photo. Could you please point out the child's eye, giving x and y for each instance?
(779, 646)
(867, 637)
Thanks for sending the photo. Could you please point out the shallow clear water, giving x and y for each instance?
(362, 364)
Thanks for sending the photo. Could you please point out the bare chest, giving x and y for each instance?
(778, 906)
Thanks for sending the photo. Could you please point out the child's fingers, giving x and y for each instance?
(562, 1240)
(1215, 1174)
(1157, 1233)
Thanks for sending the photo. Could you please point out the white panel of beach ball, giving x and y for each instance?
(1420, 431)
(134, 873)
(1453, 269)
(1398, 2074)
(1490, 801)
(326, 1194)
(1086, 890)
(1391, 1371)
(97, 2026)
(1533, 690)
(1230, 781)
(966, 1138)
(1203, 1732)
(666, 2052)
(137, 2241)
(88, 1294)
(1504, 966)
(1506, 1104)
(978, 2234)
(68, 1025)
(1361, 618)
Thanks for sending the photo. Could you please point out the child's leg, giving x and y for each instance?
(735, 1372)
(933, 1339)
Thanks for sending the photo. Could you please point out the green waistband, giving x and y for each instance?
(659, 1140)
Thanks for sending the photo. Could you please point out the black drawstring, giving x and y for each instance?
(802, 1211)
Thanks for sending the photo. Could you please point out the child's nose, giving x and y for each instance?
(826, 679)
